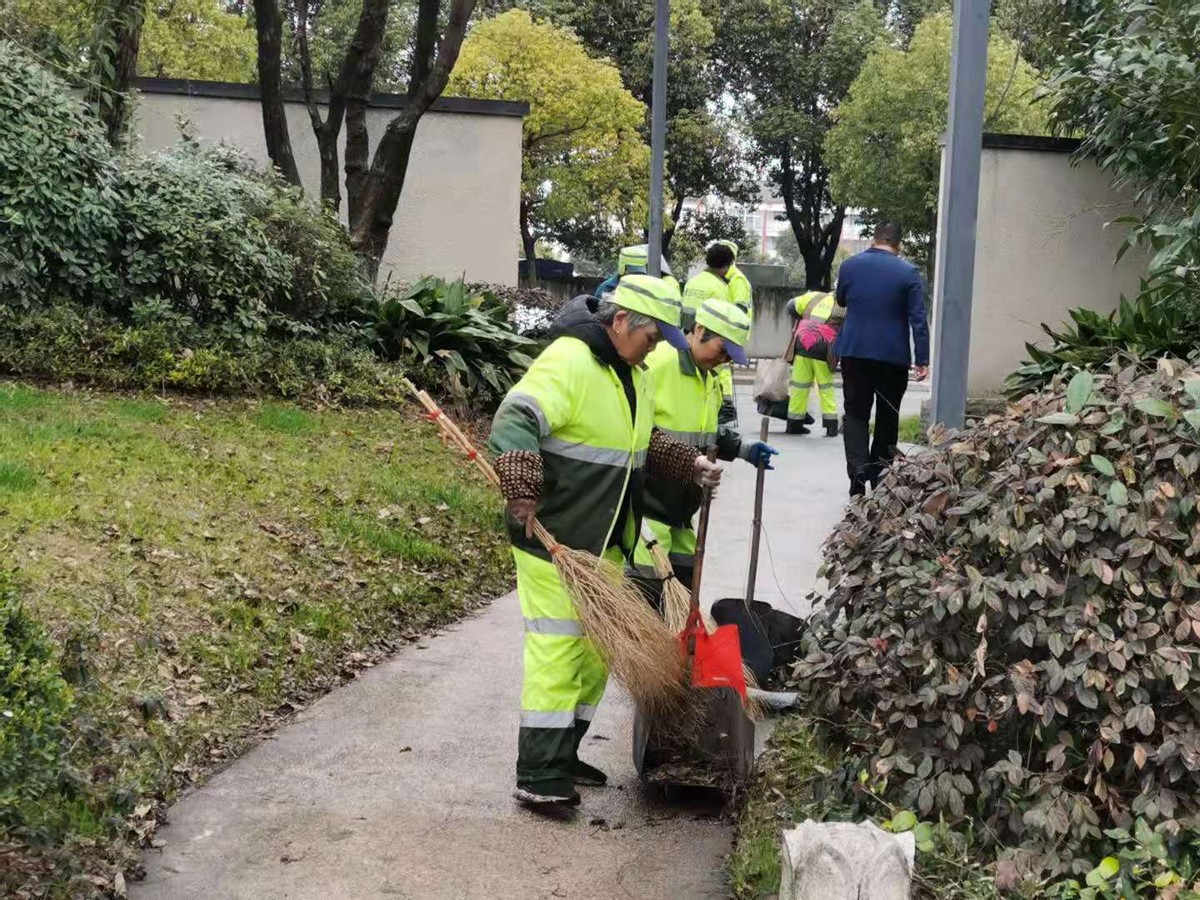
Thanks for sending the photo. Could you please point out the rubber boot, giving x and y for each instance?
(796, 426)
(831, 429)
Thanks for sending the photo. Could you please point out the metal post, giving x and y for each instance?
(954, 276)
(658, 133)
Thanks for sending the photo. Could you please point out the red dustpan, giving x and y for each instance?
(716, 658)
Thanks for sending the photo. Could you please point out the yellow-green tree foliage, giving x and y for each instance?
(197, 39)
(883, 152)
(583, 157)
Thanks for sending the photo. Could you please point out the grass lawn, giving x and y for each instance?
(204, 568)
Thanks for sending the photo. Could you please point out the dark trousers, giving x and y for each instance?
(867, 382)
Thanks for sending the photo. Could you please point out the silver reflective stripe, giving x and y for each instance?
(533, 719)
(528, 402)
(585, 712)
(567, 627)
(670, 301)
(802, 384)
(639, 458)
(825, 385)
(603, 456)
(711, 310)
(691, 438)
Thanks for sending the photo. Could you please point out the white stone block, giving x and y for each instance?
(846, 861)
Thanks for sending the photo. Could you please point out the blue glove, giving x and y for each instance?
(758, 452)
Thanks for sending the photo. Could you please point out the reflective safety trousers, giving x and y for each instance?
(805, 373)
(564, 678)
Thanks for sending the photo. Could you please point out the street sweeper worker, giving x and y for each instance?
(633, 260)
(574, 441)
(713, 284)
(687, 402)
(811, 307)
(740, 290)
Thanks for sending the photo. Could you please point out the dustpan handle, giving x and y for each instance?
(756, 527)
(702, 537)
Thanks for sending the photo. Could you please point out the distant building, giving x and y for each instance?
(766, 222)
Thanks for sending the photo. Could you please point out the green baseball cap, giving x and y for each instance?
(729, 321)
(657, 299)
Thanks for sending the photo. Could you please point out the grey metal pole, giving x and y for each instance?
(954, 275)
(658, 133)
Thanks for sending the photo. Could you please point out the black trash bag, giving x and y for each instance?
(770, 639)
(776, 409)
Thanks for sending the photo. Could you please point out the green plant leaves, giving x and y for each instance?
(1153, 406)
(1103, 466)
(1104, 872)
(1059, 418)
(1079, 391)
(903, 821)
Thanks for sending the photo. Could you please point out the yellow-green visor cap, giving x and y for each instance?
(732, 245)
(656, 298)
(726, 320)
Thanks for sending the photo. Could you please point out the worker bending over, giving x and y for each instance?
(687, 402)
(575, 439)
(815, 306)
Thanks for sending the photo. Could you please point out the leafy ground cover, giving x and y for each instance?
(200, 570)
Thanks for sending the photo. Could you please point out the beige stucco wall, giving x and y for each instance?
(1042, 249)
(458, 212)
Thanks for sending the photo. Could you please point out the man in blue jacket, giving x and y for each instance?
(884, 298)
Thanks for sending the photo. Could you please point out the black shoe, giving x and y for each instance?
(537, 798)
(796, 426)
(588, 776)
(831, 429)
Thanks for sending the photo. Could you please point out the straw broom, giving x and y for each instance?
(638, 647)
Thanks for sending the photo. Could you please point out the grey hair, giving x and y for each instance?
(607, 311)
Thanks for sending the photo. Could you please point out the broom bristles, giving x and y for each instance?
(640, 650)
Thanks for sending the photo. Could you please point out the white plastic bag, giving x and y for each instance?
(772, 379)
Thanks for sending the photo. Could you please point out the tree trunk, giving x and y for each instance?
(268, 26)
(529, 242)
(118, 38)
(383, 184)
(668, 234)
(358, 157)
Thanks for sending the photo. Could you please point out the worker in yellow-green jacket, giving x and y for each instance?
(574, 441)
(740, 290)
(814, 306)
(713, 284)
(687, 402)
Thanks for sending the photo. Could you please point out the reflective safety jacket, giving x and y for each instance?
(593, 433)
(686, 404)
(704, 286)
(740, 291)
(816, 305)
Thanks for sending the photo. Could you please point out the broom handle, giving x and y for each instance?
(756, 527)
(454, 433)
(702, 537)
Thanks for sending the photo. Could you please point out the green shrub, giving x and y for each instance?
(454, 341)
(190, 236)
(1147, 328)
(57, 187)
(86, 346)
(1011, 629)
(34, 704)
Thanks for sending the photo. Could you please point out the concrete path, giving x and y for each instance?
(397, 785)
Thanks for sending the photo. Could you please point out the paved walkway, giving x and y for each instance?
(397, 785)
